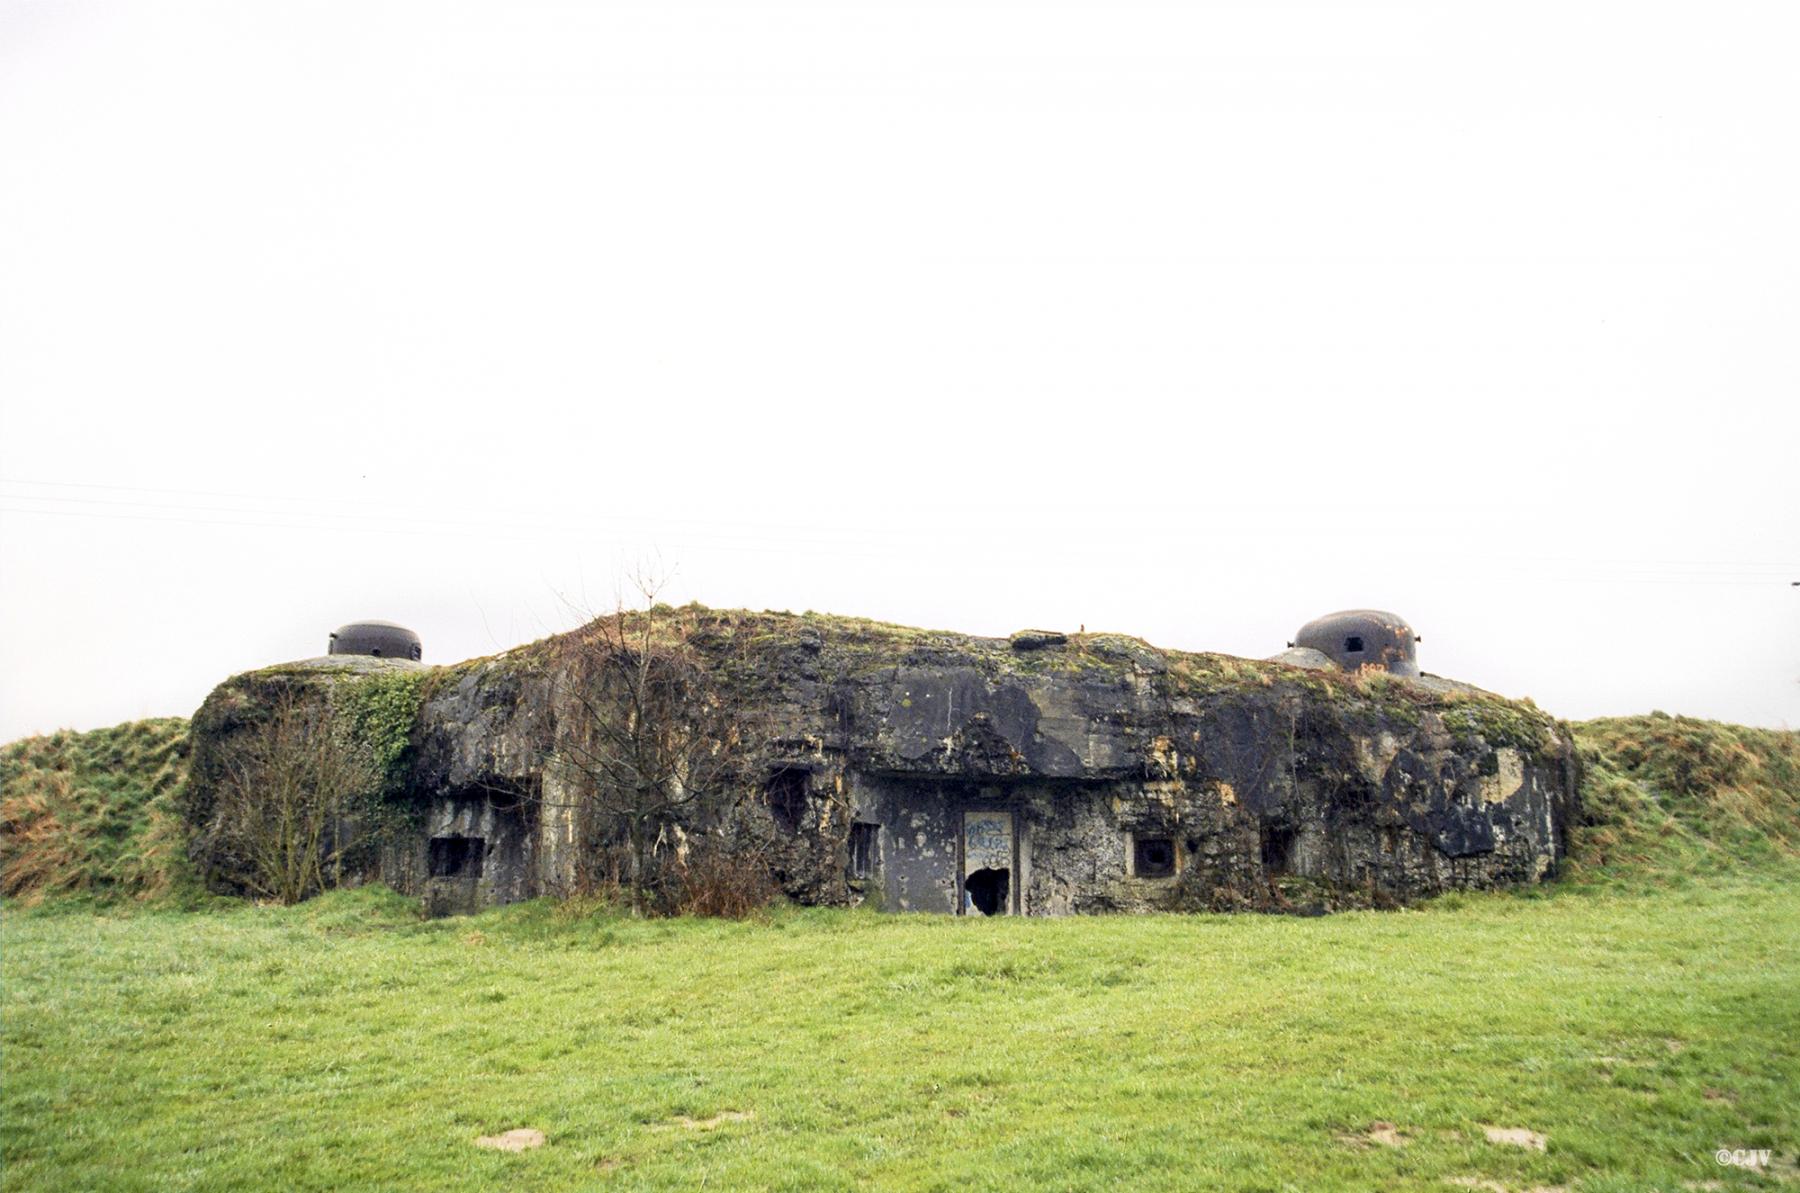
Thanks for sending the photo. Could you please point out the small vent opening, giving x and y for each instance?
(457, 857)
(1278, 849)
(865, 844)
(1153, 857)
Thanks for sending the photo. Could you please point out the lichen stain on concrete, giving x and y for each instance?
(1499, 787)
(1374, 757)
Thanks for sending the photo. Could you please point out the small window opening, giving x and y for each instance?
(985, 891)
(375, 652)
(1278, 849)
(418, 652)
(864, 849)
(457, 857)
(1153, 857)
(786, 793)
(1353, 645)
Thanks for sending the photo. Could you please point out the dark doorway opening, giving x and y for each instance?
(1353, 645)
(1277, 849)
(864, 843)
(987, 889)
(457, 857)
(786, 793)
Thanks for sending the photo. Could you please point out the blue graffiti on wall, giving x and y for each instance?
(987, 840)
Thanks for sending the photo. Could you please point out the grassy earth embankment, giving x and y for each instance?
(1639, 1015)
(92, 814)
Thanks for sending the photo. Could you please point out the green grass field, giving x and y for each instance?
(346, 1044)
(1639, 1015)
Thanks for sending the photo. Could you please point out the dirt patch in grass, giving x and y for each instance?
(1382, 1133)
(717, 1120)
(515, 1140)
(1516, 1136)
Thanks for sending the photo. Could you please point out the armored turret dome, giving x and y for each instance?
(382, 639)
(1357, 638)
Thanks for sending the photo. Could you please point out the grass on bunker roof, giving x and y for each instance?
(347, 1044)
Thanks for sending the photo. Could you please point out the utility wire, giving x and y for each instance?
(363, 517)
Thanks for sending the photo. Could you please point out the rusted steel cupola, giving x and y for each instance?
(1358, 638)
(382, 639)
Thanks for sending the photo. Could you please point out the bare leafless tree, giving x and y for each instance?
(284, 799)
(644, 731)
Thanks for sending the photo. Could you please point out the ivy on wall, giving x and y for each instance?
(381, 712)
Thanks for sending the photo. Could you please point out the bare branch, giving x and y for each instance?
(284, 805)
(643, 733)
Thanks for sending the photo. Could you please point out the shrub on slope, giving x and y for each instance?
(91, 813)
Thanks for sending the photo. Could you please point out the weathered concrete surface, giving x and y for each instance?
(1303, 656)
(1273, 784)
(1359, 638)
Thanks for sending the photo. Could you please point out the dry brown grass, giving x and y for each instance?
(733, 886)
(91, 813)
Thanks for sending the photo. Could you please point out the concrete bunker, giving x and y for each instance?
(1358, 638)
(1043, 775)
(378, 639)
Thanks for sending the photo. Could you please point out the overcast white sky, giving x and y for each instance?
(1191, 321)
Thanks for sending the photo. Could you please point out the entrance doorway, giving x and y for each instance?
(986, 891)
(987, 864)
